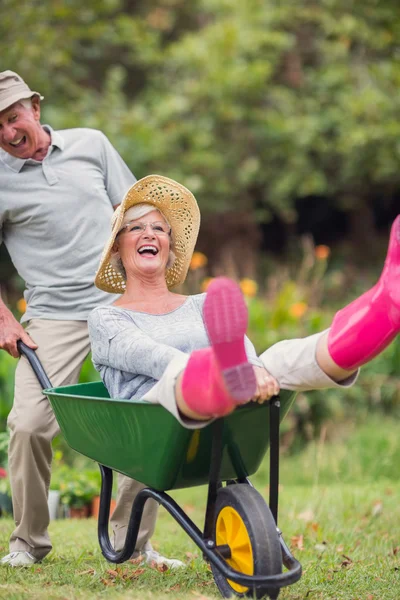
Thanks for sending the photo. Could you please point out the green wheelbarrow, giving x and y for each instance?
(241, 539)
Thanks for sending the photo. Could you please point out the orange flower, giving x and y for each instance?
(198, 261)
(298, 309)
(160, 18)
(249, 287)
(21, 305)
(322, 252)
(205, 283)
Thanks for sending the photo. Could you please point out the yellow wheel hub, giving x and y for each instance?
(231, 530)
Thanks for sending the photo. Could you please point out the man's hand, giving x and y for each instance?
(267, 386)
(11, 331)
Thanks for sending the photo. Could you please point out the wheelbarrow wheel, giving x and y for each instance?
(244, 522)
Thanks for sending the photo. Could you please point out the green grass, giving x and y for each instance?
(345, 532)
(362, 453)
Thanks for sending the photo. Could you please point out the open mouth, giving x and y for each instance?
(19, 142)
(148, 250)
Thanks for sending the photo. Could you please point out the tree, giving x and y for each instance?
(251, 104)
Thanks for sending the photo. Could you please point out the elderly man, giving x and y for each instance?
(58, 190)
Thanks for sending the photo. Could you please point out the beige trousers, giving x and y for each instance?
(63, 346)
(293, 363)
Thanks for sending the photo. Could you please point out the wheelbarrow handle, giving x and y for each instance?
(35, 364)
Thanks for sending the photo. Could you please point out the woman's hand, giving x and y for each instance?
(267, 386)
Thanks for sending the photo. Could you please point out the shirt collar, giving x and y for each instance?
(16, 164)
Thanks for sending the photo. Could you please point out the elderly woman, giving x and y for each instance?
(190, 353)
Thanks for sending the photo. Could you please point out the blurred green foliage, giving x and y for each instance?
(367, 451)
(250, 104)
(77, 487)
(7, 367)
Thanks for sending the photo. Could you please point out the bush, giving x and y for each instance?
(77, 488)
(7, 368)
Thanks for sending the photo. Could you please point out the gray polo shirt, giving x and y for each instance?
(55, 217)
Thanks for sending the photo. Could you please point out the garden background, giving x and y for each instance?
(283, 119)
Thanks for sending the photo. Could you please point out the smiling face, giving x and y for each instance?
(144, 246)
(21, 133)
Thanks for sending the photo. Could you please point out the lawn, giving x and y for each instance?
(345, 533)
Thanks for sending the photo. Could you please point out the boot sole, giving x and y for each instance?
(226, 319)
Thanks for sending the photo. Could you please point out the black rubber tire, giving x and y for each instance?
(264, 539)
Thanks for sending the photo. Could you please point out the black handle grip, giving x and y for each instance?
(35, 364)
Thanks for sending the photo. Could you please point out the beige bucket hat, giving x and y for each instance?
(13, 88)
(179, 207)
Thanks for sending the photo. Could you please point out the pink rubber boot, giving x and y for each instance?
(365, 327)
(218, 378)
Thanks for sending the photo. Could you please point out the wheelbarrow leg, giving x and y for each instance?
(274, 418)
(135, 519)
(214, 478)
(104, 515)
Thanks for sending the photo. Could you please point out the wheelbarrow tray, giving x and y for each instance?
(145, 442)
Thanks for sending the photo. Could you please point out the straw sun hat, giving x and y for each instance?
(179, 207)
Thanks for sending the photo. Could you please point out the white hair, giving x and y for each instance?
(137, 211)
(133, 213)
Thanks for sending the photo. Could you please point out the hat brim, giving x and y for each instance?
(179, 207)
(17, 97)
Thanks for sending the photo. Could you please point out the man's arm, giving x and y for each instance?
(11, 331)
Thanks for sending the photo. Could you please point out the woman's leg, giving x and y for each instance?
(218, 378)
(365, 327)
(182, 405)
(212, 381)
(326, 362)
(297, 366)
(358, 333)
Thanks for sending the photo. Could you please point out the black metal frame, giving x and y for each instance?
(274, 425)
(35, 364)
(212, 553)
